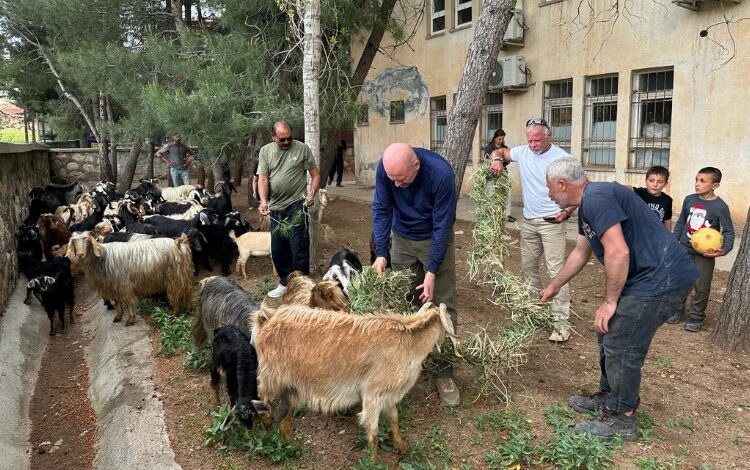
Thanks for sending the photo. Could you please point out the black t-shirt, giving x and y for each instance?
(662, 205)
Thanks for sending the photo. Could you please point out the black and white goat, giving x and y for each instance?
(222, 203)
(344, 267)
(29, 242)
(221, 301)
(54, 293)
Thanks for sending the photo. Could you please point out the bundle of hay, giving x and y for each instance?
(389, 293)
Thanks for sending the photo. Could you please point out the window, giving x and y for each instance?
(437, 16)
(463, 12)
(492, 118)
(651, 118)
(558, 110)
(363, 115)
(397, 112)
(600, 118)
(438, 122)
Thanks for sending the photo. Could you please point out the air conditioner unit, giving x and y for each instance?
(514, 71)
(514, 33)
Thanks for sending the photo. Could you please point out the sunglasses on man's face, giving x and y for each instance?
(284, 140)
(537, 122)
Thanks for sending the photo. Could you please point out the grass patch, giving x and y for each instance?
(265, 286)
(567, 451)
(665, 363)
(559, 417)
(13, 136)
(515, 450)
(175, 335)
(651, 463)
(238, 438)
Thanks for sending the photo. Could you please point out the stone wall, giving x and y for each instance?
(22, 167)
(82, 164)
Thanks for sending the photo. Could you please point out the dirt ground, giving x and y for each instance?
(696, 394)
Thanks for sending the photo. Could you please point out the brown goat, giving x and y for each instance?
(123, 272)
(53, 231)
(302, 290)
(331, 361)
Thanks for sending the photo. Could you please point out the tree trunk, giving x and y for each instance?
(237, 164)
(480, 61)
(198, 11)
(25, 126)
(33, 128)
(113, 146)
(732, 329)
(128, 172)
(177, 15)
(201, 175)
(311, 98)
(105, 171)
(188, 7)
(151, 155)
(254, 146)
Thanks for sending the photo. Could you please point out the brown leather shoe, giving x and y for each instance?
(448, 391)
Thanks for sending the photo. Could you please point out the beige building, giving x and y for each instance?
(663, 84)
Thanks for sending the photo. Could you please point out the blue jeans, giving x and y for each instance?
(290, 251)
(180, 177)
(623, 349)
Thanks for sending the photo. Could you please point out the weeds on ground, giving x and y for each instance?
(645, 426)
(651, 463)
(665, 363)
(568, 451)
(175, 334)
(265, 286)
(238, 438)
(559, 417)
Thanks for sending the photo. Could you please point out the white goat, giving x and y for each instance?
(177, 194)
(251, 244)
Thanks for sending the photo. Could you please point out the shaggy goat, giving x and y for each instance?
(220, 301)
(302, 290)
(251, 244)
(177, 194)
(125, 271)
(330, 361)
(234, 357)
(54, 293)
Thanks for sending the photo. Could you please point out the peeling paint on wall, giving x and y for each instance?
(397, 83)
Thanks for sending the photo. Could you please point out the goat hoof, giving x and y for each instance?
(116, 319)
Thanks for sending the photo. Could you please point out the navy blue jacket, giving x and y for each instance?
(426, 209)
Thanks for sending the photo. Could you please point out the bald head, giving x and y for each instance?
(282, 134)
(401, 164)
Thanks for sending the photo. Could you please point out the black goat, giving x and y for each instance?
(32, 268)
(236, 358)
(220, 244)
(344, 267)
(147, 189)
(174, 228)
(222, 203)
(198, 250)
(29, 242)
(54, 293)
(234, 221)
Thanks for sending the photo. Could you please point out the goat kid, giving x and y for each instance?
(344, 267)
(54, 293)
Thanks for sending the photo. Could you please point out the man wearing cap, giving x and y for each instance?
(542, 229)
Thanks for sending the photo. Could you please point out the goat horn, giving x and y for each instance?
(425, 306)
(447, 323)
(229, 419)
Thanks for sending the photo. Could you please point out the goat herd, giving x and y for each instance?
(309, 351)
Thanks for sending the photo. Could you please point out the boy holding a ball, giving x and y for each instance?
(703, 222)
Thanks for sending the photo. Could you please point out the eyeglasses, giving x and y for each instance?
(284, 140)
(537, 122)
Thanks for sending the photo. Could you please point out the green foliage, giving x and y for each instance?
(265, 286)
(389, 293)
(238, 438)
(175, 334)
(14, 136)
(645, 426)
(516, 449)
(665, 363)
(651, 463)
(559, 417)
(567, 451)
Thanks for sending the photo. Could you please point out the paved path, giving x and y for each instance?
(352, 191)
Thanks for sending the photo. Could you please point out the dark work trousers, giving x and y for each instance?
(623, 349)
(337, 168)
(415, 255)
(701, 286)
(290, 250)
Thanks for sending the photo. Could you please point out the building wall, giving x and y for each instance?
(82, 164)
(709, 94)
(22, 167)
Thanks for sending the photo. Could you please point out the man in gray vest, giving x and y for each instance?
(178, 157)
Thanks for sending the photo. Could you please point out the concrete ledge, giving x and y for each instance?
(24, 332)
(20, 148)
(131, 432)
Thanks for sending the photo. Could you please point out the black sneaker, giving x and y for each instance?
(589, 404)
(693, 326)
(675, 318)
(610, 425)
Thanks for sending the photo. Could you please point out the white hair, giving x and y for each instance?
(547, 130)
(567, 168)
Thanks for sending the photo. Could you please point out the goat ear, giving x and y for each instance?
(94, 246)
(261, 407)
(203, 217)
(229, 419)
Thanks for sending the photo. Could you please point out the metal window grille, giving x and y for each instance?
(558, 111)
(437, 16)
(492, 118)
(600, 119)
(651, 118)
(397, 112)
(463, 12)
(438, 122)
(363, 115)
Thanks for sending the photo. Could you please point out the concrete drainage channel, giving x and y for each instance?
(131, 433)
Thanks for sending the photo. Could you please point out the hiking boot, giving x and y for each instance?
(610, 425)
(693, 326)
(560, 334)
(277, 292)
(448, 391)
(590, 403)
